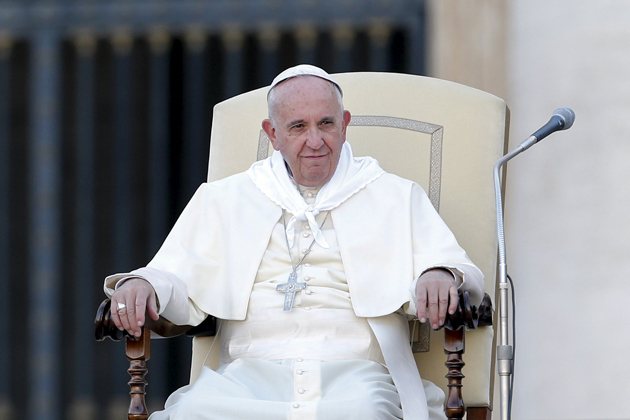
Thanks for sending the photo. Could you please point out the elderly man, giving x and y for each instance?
(312, 260)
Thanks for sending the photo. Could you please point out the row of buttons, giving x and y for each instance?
(307, 291)
(301, 390)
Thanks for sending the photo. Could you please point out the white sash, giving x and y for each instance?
(392, 333)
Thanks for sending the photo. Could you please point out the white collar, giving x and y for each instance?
(352, 175)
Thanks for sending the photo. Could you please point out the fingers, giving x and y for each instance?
(437, 306)
(137, 320)
(125, 309)
(152, 307)
(443, 302)
(114, 314)
(454, 299)
(129, 304)
(437, 292)
(421, 302)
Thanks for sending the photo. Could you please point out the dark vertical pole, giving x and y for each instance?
(379, 47)
(233, 40)
(195, 160)
(83, 405)
(122, 42)
(417, 40)
(306, 36)
(44, 226)
(159, 169)
(343, 38)
(269, 39)
(5, 242)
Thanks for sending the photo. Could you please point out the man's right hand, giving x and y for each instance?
(137, 296)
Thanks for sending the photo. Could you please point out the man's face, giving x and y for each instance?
(309, 128)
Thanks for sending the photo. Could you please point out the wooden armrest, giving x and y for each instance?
(104, 326)
(470, 316)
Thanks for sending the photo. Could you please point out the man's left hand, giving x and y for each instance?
(433, 290)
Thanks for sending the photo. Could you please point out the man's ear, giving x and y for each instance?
(268, 128)
(346, 120)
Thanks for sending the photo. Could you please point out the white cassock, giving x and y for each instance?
(342, 351)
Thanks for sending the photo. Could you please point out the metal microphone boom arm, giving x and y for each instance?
(562, 119)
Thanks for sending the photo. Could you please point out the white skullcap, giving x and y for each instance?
(303, 70)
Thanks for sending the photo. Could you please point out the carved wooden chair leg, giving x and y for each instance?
(138, 352)
(454, 348)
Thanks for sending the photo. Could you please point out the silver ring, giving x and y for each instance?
(121, 306)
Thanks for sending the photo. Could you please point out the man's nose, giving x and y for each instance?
(314, 140)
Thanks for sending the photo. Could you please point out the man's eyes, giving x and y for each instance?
(301, 126)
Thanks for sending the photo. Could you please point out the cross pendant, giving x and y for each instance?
(289, 288)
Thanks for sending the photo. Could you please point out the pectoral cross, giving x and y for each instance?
(289, 288)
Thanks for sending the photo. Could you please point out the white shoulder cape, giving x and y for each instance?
(388, 234)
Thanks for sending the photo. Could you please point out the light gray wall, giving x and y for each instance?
(568, 208)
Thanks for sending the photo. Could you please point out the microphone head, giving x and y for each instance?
(566, 115)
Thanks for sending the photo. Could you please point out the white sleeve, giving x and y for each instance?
(435, 246)
(171, 293)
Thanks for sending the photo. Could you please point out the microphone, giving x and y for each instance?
(562, 119)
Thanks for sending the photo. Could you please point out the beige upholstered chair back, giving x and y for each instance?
(445, 136)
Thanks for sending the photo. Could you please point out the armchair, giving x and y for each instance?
(446, 137)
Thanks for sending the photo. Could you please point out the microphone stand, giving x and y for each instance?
(504, 349)
(562, 119)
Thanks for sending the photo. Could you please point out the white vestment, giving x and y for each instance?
(387, 234)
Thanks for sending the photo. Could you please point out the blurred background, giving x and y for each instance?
(105, 116)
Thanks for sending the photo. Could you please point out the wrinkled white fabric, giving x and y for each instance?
(270, 390)
(324, 361)
(209, 261)
(351, 175)
(318, 334)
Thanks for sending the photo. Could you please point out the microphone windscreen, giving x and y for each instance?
(567, 115)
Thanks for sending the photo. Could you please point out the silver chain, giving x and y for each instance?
(284, 223)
